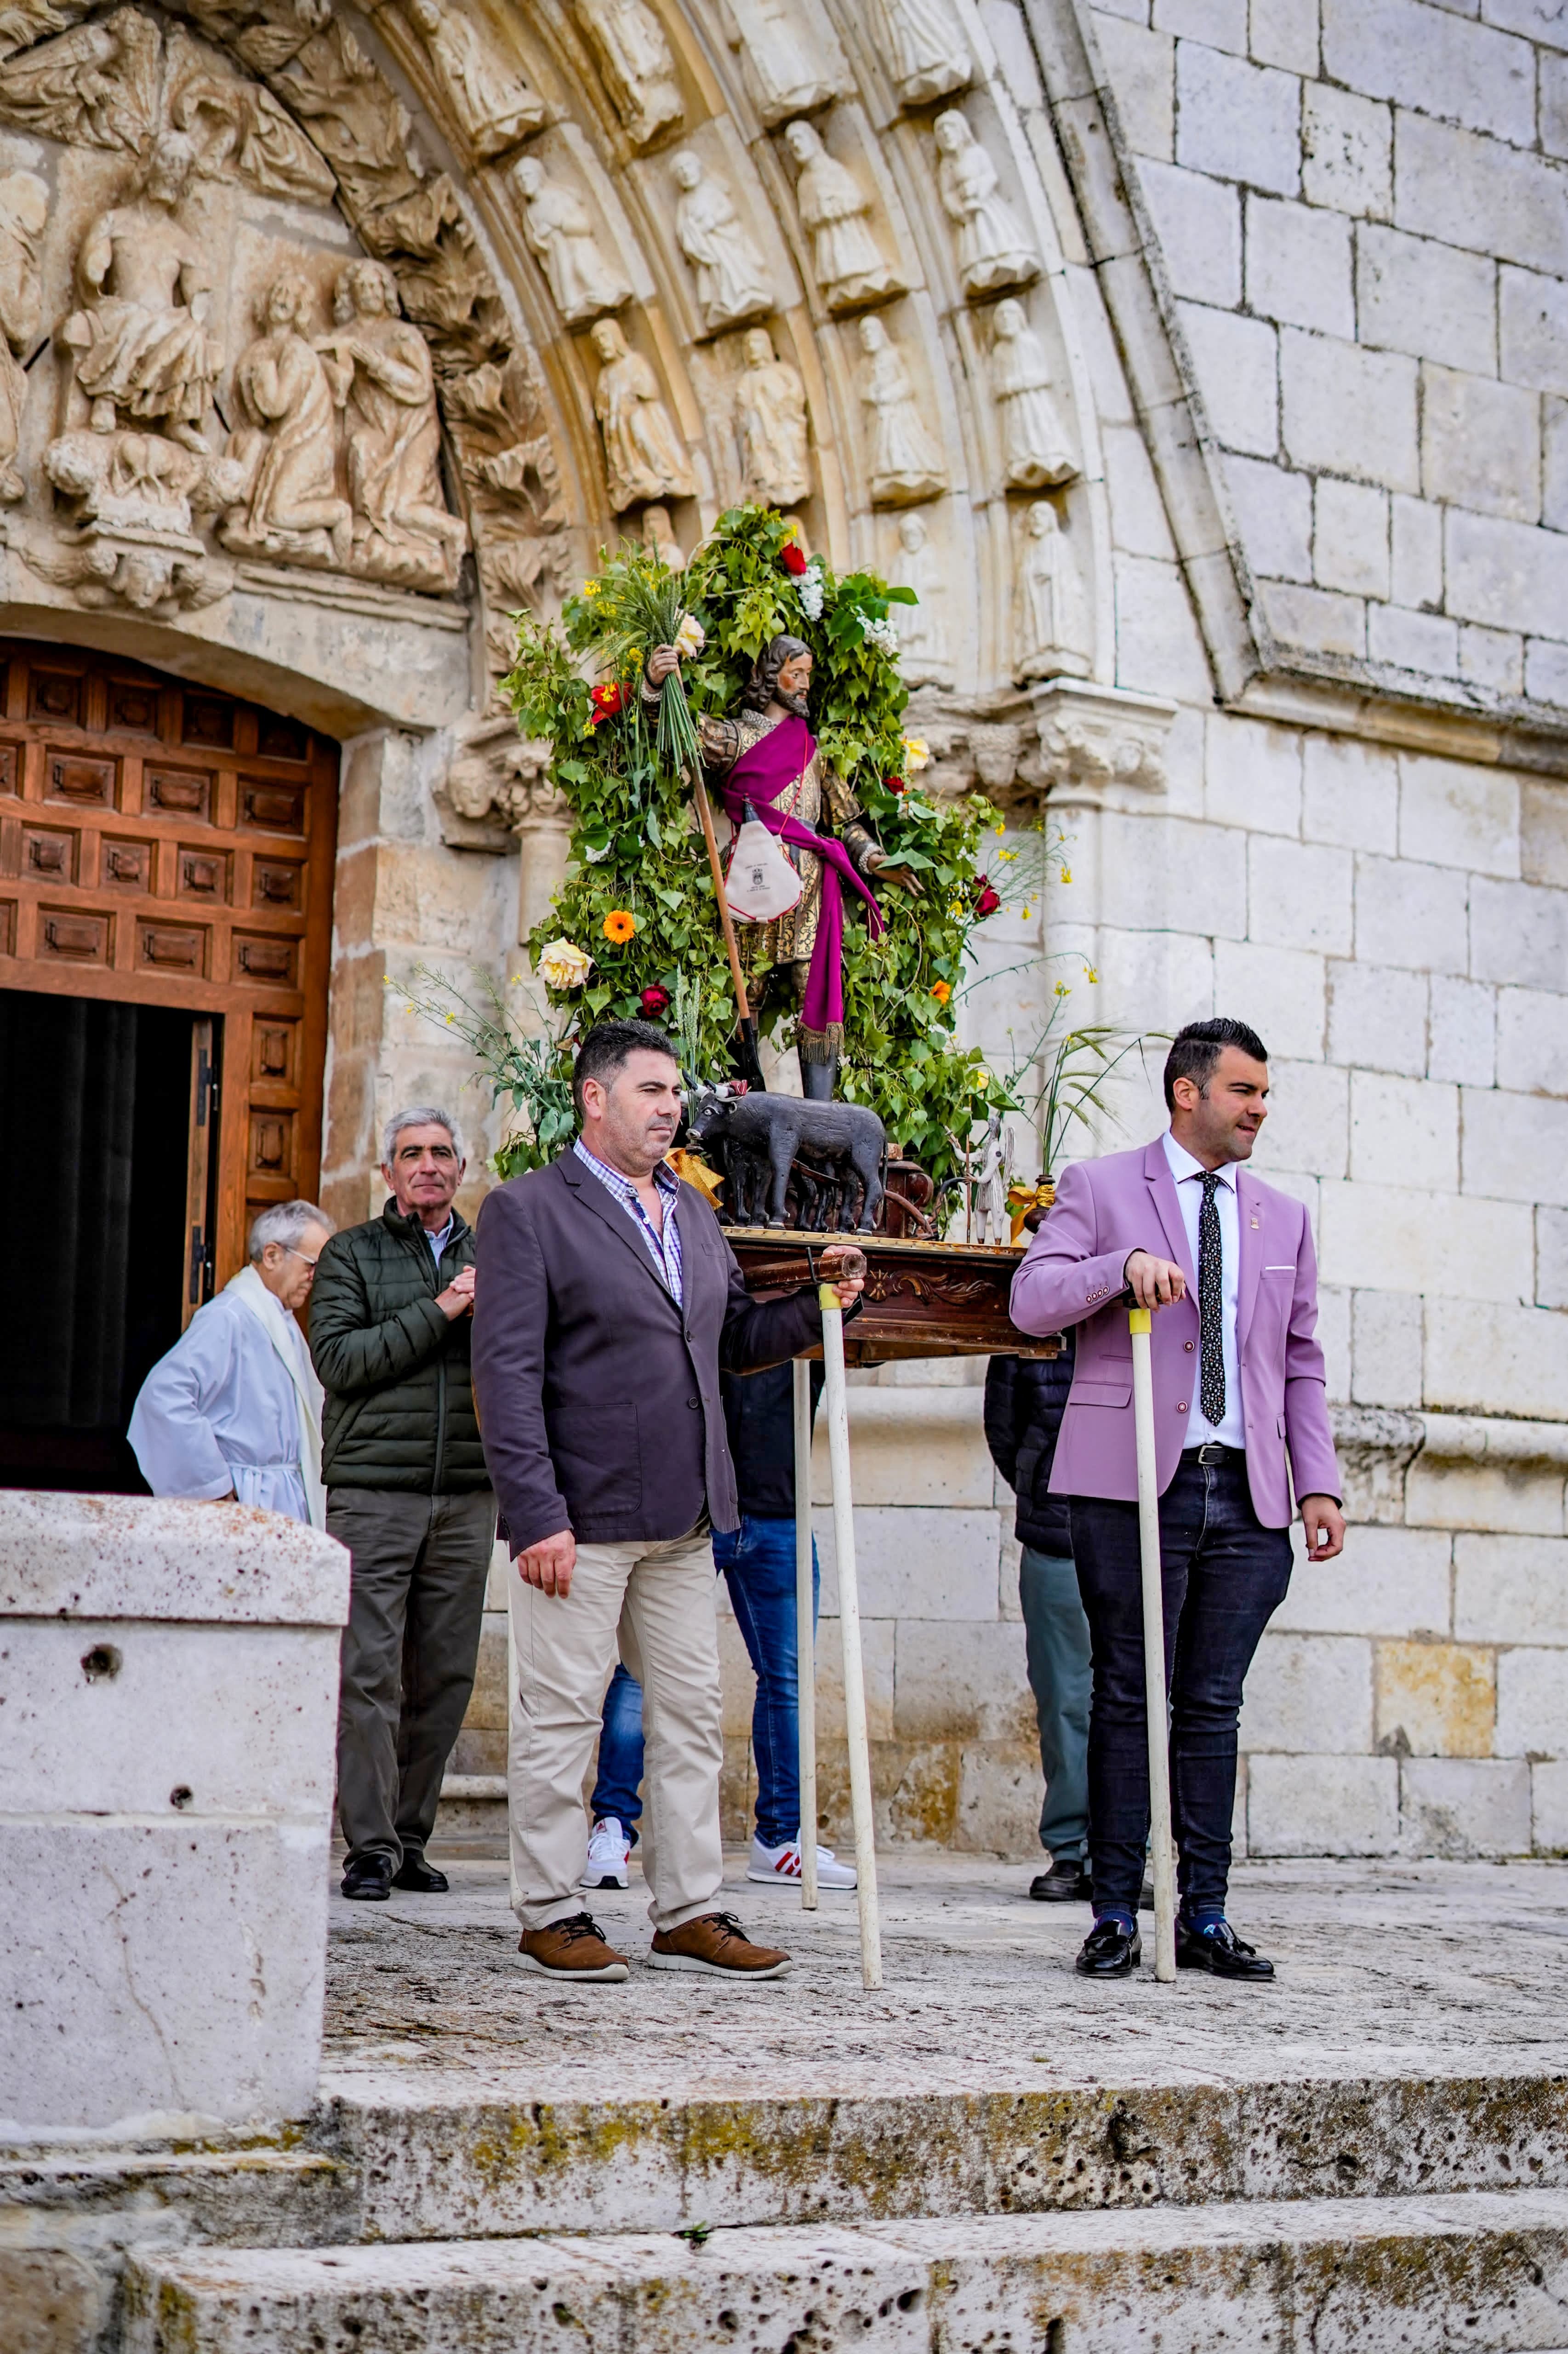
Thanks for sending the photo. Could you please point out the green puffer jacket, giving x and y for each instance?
(395, 1369)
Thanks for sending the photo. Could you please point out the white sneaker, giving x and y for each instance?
(609, 1848)
(784, 1863)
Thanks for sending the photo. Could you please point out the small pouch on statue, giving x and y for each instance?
(761, 881)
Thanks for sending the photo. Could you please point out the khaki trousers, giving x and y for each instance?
(655, 1603)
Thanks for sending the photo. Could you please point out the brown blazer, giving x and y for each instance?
(598, 1397)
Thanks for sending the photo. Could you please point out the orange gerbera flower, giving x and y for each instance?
(619, 925)
(941, 990)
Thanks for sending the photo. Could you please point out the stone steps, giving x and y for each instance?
(1482, 2270)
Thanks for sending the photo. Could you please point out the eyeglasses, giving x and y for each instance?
(300, 1255)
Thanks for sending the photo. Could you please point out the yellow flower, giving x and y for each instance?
(619, 925)
(1062, 990)
(590, 588)
(941, 990)
(1003, 827)
(1007, 856)
(563, 965)
(1066, 874)
(1090, 974)
(916, 755)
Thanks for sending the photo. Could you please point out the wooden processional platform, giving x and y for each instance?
(922, 1300)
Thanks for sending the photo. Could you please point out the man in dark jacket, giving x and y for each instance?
(608, 1301)
(1023, 1401)
(408, 1493)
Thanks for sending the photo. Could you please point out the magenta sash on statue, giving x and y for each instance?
(773, 764)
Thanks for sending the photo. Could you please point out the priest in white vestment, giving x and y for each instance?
(234, 1411)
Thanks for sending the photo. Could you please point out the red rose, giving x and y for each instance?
(989, 902)
(654, 1001)
(607, 701)
(894, 784)
(792, 557)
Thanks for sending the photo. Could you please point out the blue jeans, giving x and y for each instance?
(1224, 1575)
(1057, 1635)
(758, 1563)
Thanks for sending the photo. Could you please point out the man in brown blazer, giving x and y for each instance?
(607, 1304)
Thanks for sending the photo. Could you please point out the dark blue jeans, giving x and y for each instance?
(758, 1563)
(1056, 1644)
(1223, 1577)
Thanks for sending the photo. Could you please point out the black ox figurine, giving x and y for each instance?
(829, 1155)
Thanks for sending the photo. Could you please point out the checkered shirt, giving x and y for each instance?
(665, 1248)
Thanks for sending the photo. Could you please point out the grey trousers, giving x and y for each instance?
(417, 1568)
(1057, 1635)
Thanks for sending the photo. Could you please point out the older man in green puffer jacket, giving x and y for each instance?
(408, 1493)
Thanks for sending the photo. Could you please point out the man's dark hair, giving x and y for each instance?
(606, 1047)
(765, 670)
(1195, 1050)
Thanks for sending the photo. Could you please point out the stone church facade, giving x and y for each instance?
(1205, 368)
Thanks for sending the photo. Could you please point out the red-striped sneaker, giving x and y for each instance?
(784, 1863)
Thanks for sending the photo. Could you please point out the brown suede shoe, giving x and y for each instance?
(717, 1944)
(574, 1948)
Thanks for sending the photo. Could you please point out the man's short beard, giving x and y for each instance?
(799, 704)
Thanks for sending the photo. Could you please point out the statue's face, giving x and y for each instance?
(794, 682)
(688, 171)
(871, 334)
(166, 180)
(758, 347)
(283, 303)
(952, 132)
(530, 176)
(801, 141)
(606, 340)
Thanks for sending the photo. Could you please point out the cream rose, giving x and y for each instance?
(563, 965)
(691, 637)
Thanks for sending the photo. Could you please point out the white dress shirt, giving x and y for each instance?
(1189, 1174)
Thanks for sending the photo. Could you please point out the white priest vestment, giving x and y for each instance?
(236, 1404)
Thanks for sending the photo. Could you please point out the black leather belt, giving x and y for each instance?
(1211, 1451)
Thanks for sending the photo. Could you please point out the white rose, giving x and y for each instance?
(563, 965)
(916, 754)
(691, 637)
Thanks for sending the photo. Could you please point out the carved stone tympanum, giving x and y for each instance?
(1035, 443)
(731, 275)
(770, 419)
(140, 342)
(378, 366)
(287, 444)
(583, 280)
(635, 60)
(643, 454)
(23, 209)
(848, 264)
(994, 248)
(904, 459)
(494, 107)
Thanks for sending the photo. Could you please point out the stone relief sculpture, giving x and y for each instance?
(1035, 443)
(139, 343)
(643, 455)
(659, 535)
(922, 631)
(494, 105)
(287, 446)
(557, 225)
(731, 275)
(922, 47)
(994, 248)
(1048, 595)
(847, 262)
(379, 370)
(635, 60)
(23, 209)
(770, 420)
(790, 63)
(903, 460)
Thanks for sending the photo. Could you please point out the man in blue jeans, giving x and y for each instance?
(758, 1562)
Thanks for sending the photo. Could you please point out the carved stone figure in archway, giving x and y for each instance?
(784, 58)
(731, 275)
(635, 60)
(559, 229)
(379, 370)
(643, 455)
(925, 52)
(770, 418)
(922, 632)
(1046, 597)
(903, 460)
(287, 446)
(140, 344)
(492, 103)
(23, 209)
(1034, 444)
(994, 247)
(659, 538)
(834, 210)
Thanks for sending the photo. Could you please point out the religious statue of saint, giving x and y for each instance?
(493, 102)
(635, 60)
(904, 460)
(659, 536)
(770, 418)
(559, 229)
(378, 366)
(643, 455)
(732, 277)
(763, 762)
(1034, 446)
(287, 445)
(23, 209)
(1046, 598)
(994, 248)
(925, 52)
(791, 62)
(139, 343)
(922, 635)
(835, 210)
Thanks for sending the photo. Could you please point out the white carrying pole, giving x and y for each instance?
(805, 1635)
(837, 1401)
(1155, 1705)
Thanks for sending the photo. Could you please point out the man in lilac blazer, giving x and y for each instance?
(1226, 1263)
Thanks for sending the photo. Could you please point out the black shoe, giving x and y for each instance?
(1219, 1951)
(416, 1873)
(369, 1879)
(1066, 1882)
(1109, 1951)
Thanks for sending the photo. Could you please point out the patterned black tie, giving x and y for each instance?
(1211, 1307)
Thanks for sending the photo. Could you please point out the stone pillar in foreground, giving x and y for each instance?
(168, 1700)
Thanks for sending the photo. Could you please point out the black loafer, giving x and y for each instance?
(369, 1881)
(416, 1873)
(1219, 1951)
(1109, 1951)
(1066, 1882)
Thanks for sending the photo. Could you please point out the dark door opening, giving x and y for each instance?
(106, 1088)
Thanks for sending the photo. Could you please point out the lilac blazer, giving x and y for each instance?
(1107, 1209)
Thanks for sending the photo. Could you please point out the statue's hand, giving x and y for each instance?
(661, 662)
